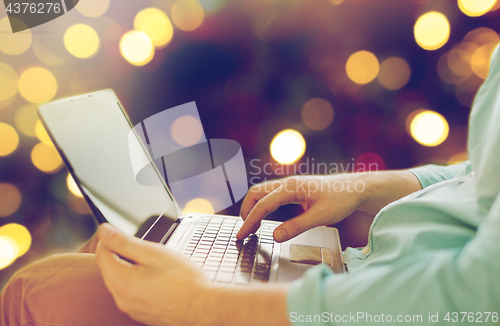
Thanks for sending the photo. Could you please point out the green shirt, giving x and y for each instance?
(435, 254)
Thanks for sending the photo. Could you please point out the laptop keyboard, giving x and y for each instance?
(214, 248)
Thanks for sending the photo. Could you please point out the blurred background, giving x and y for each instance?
(336, 82)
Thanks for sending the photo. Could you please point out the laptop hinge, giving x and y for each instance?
(170, 231)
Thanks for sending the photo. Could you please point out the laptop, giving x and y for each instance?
(91, 133)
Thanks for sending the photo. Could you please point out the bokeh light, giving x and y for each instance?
(19, 234)
(432, 30)
(13, 43)
(137, 48)
(317, 114)
(46, 159)
(362, 67)
(394, 73)
(429, 128)
(186, 130)
(47, 55)
(475, 8)
(10, 199)
(8, 82)
(187, 15)
(480, 60)
(37, 85)
(9, 139)
(26, 119)
(288, 146)
(42, 134)
(199, 205)
(8, 251)
(93, 8)
(156, 25)
(81, 41)
(459, 59)
(482, 36)
(73, 188)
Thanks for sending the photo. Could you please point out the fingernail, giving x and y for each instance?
(280, 235)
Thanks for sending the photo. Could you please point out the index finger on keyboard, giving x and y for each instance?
(263, 207)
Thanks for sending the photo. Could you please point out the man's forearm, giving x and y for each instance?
(382, 188)
(252, 306)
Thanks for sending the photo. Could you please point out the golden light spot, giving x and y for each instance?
(92, 8)
(46, 159)
(362, 67)
(137, 48)
(10, 199)
(4, 104)
(37, 85)
(187, 15)
(42, 134)
(81, 41)
(475, 8)
(46, 55)
(432, 30)
(288, 146)
(186, 130)
(429, 128)
(156, 25)
(8, 251)
(9, 139)
(8, 82)
(70, 182)
(26, 119)
(19, 234)
(13, 43)
(394, 73)
(480, 61)
(317, 114)
(457, 65)
(337, 2)
(482, 36)
(199, 205)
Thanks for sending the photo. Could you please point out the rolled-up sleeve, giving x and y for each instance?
(413, 288)
(431, 174)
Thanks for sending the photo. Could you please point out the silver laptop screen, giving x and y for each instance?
(96, 145)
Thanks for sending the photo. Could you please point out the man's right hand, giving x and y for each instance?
(326, 199)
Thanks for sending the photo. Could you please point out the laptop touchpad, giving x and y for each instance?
(310, 255)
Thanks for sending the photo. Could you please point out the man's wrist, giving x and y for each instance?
(382, 188)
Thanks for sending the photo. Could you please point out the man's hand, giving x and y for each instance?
(163, 288)
(326, 199)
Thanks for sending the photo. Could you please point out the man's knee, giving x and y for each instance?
(38, 290)
(63, 290)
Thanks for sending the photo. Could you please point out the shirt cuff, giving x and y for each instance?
(431, 174)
